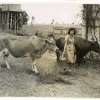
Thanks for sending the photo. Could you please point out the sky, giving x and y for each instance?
(67, 13)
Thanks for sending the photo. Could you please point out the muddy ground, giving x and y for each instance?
(20, 81)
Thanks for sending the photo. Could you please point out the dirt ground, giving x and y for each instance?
(20, 81)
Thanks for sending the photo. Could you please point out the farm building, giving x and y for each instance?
(64, 29)
(12, 17)
(91, 20)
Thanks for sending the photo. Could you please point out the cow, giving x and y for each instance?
(23, 46)
(82, 46)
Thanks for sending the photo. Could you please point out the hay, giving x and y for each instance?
(47, 68)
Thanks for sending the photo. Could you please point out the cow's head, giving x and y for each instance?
(51, 44)
(50, 36)
(95, 46)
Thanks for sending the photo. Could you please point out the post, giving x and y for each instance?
(0, 19)
(9, 20)
(86, 36)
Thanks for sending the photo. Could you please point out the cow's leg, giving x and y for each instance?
(1, 53)
(58, 54)
(34, 68)
(78, 61)
(70, 67)
(6, 61)
(5, 54)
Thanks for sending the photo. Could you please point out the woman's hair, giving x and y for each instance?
(72, 29)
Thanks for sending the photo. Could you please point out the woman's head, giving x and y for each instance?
(72, 31)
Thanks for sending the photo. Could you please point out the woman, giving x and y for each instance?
(69, 48)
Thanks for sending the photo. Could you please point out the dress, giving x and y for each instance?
(69, 49)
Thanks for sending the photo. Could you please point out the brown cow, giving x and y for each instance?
(22, 46)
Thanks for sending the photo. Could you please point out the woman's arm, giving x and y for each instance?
(66, 38)
(64, 49)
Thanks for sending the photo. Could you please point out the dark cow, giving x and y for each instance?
(22, 46)
(82, 46)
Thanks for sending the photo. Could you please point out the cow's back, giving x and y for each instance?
(81, 44)
(37, 42)
(19, 46)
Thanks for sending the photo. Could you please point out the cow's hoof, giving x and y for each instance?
(8, 67)
(70, 70)
(30, 71)
(37, 73)
(67, 72)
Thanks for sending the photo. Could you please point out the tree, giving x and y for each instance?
(91, 12)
